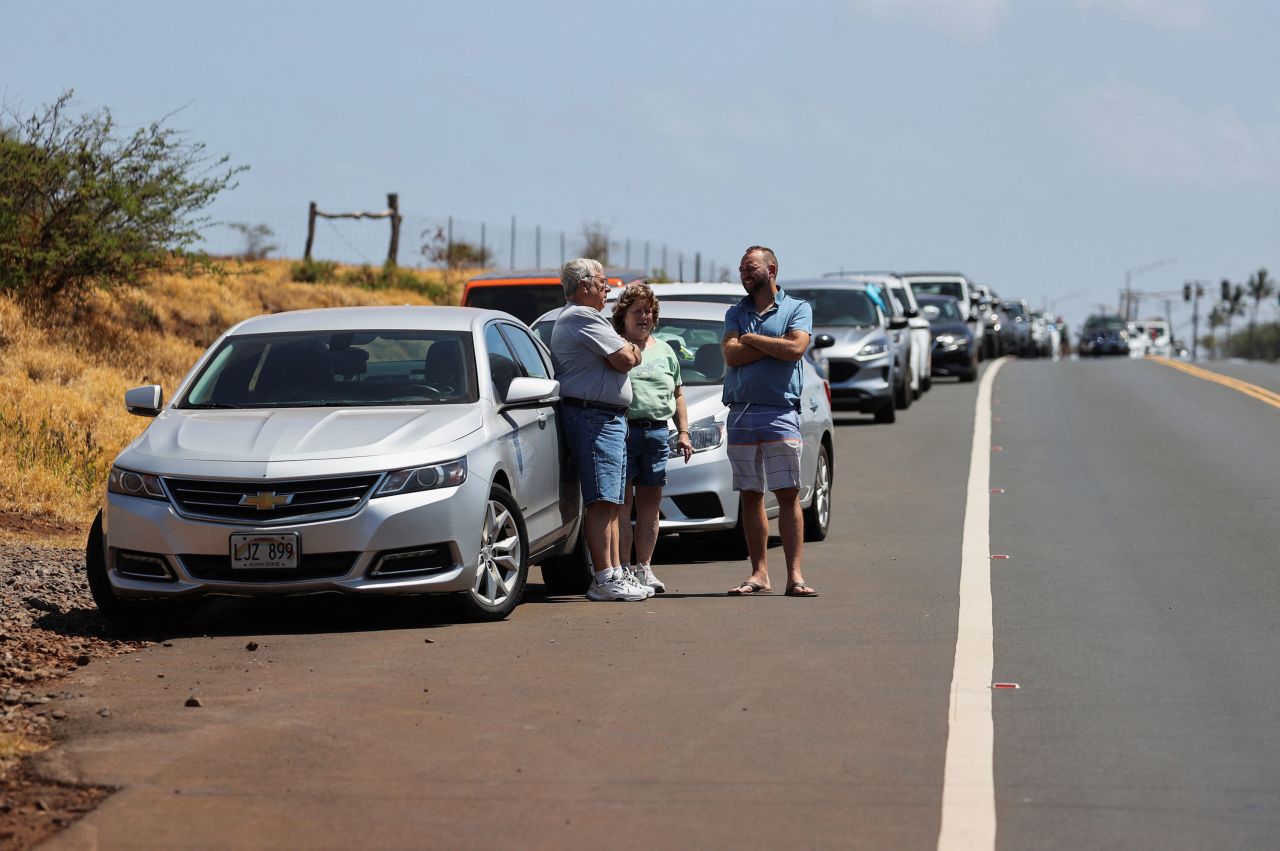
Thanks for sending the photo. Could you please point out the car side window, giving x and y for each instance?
(526, 350)
(502, 364)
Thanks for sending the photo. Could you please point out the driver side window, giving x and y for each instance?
(502, 365)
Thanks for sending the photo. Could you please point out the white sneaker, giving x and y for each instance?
(616, 587)
(637, 579)
(644, 575)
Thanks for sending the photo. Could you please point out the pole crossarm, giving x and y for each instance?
(359, 214)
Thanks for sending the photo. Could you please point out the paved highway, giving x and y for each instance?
(1136, 611)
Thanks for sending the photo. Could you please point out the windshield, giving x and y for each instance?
(1099, 324)
(525, 302)
(955, 289)
(1013, 309)
(696, 343)
(336, 369)
(941, 311)
(840, 308)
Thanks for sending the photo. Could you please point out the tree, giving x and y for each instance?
(458, 254)
(82, 206)
(595, 241)
(1217, 318)
(1232, 307)
(256, 246)
(1261, 286)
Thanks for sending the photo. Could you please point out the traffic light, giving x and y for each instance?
(1226, 290)
(1186, 292)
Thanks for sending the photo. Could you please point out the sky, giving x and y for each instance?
(1044, 147)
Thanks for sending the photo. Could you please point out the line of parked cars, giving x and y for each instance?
(416, 450)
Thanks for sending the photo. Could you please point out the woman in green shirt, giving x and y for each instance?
(657, 396)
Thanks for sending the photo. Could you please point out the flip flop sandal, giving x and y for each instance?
(800, 589)
(756, 588)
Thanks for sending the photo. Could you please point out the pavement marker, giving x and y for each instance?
(1262, 394)
(968, 786)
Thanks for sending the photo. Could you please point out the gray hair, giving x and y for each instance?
(573, 273)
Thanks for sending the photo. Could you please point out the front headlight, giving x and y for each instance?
(130, 483)
(946, 339)
(445, 475)
(872, 350)
(706, 433)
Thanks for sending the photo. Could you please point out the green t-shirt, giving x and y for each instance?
(654, 383)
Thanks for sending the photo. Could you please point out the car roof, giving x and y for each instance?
(552, 275)
(686, 288)
(829, 284)
(881, 277)
(671, 310)
(375, 318)
(936, 276)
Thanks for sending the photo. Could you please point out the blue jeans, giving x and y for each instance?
(597, 442)
(647, 451)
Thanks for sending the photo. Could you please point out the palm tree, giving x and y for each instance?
(1231, 307)
(1260, 286)
(1217, 318)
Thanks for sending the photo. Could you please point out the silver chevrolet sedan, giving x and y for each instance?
(699, 496)
(366, 450)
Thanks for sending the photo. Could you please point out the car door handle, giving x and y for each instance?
(813, 404)
(542, 419)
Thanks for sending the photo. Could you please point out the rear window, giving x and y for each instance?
(525, 302)
(955, 289)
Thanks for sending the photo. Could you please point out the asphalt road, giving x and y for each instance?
(1136, 611)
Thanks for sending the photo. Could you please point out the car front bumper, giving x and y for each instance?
(862, 385)
(343, 555)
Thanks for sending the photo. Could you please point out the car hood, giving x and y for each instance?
(303, 434)
(848, 339)
(703, 401)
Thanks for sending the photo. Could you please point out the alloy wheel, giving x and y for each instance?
(500, 555)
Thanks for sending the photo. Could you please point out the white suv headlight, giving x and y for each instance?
(872, 350)
(444, 475)
(706, 433)
(130, 483)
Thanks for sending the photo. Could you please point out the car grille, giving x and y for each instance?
(310, 566)
(308, 498)
(840, 371)
(698, 506)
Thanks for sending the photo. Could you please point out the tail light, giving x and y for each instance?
(826, 386)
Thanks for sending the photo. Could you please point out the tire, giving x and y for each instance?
(817, 517)
(968, 377)
(504, 560)
(887, 412)
(129, 617)
(902, 393)
(570, 573)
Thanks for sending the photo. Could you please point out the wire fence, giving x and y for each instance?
(428, 241)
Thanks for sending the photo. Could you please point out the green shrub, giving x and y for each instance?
(313, 271)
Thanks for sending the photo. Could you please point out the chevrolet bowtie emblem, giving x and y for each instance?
(267, 500)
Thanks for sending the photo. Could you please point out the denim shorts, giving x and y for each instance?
(597, 442)
(764, 447)
(647, 451)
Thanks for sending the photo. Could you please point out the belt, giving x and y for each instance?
(599, 406)
(640, 422)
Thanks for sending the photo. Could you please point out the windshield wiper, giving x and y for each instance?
(205, 406)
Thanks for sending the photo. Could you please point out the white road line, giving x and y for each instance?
(968, 787)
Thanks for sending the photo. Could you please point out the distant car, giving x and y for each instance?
(880, 286)
(699, 496)
(953, 284)
(1015, 330)
(955, 351)
(921, 339)
(365, 450)
(862, 364)
(1103, 335)
(528, 294)
(1139, 342)
(1161, 341)
(991, 321)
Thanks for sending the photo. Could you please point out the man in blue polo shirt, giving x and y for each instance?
(765, 336)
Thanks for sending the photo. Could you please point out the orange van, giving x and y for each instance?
(527, 294)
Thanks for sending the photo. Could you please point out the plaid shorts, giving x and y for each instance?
(764, 447)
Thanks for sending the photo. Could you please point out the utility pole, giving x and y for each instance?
(1195, 289)
(1127, 297)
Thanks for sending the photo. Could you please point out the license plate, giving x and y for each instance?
(257, 552)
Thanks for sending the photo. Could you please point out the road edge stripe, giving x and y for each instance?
(1260, 393)
(968, 786)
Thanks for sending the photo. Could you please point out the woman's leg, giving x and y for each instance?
(647, 499)
(624, 526)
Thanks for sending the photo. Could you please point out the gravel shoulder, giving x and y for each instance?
(48, 627)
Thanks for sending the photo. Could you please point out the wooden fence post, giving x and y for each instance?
(393, 204)
(697, 266)
(311, 231)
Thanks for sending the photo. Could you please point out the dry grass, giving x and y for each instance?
(63, 372)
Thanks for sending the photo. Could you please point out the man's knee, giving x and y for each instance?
(787, 496)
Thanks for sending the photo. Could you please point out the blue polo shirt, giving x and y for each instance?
(768, 381)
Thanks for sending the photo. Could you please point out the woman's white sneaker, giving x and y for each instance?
(644, 575)
(617, 586)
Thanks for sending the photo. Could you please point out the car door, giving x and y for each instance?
(532, 446)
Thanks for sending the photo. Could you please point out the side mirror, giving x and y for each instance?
(897, 323)
(531, 392)
(823, 341)
(144, 401)
(911, 312)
